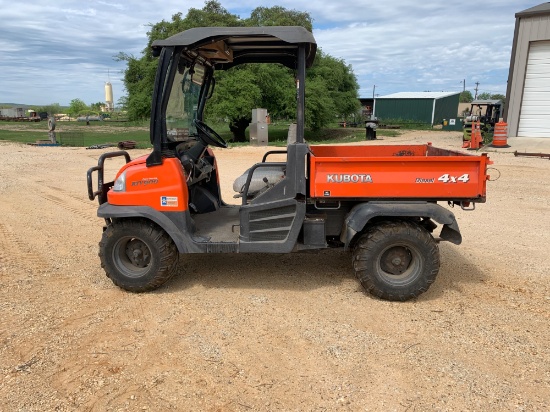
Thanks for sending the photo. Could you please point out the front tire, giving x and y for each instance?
(396, 260)
(137, 255)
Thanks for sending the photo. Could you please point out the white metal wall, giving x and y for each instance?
(529, 30)
(534, 118)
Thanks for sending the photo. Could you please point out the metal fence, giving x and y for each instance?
(72, 139)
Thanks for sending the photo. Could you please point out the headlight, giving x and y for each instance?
(120, 183)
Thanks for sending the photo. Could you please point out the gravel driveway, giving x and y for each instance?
(261, 332)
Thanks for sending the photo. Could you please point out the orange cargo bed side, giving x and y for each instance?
(415, 172)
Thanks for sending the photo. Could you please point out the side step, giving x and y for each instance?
(222, 247)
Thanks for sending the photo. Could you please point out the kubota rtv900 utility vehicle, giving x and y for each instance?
(379, 202)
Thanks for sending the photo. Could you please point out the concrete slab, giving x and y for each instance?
(523, 145)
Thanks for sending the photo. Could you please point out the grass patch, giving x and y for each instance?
(86, 139)
(278, 134)
(78, 134)
(23, 137)
(405, 124)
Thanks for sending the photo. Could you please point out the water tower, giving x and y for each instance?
(109, 105)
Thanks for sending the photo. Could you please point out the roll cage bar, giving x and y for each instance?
(220, 48)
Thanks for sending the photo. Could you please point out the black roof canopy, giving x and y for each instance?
(226, 47)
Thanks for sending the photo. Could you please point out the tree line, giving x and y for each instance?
(76, 108)
(467, 97)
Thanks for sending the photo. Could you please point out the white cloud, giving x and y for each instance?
(67, 47)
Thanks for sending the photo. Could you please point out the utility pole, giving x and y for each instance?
(373, 89)
(477, 85)
(464, 85)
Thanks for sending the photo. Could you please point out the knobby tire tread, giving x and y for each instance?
(168, 253)
(365, 249)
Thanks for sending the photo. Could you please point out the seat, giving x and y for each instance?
(263, 177)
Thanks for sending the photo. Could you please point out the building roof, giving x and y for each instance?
(486, 102)
(543, 8)
(418, 95)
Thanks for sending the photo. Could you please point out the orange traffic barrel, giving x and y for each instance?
(499, 135)
(476, 140)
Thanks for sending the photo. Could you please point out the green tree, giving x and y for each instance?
(466, 97)
(245, 87)
(278, 89)
(237, 92)
(491, 96)
(212, 14)
(76, 107)
(268, 86)
(320, 108)
(484, 96)
(96, 107)
(139, 76)
(122, 103)
(52, 109)
(341, 86)
(279, 16)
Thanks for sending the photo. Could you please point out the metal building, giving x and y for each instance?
(421, 107)
(12, 112)
(528, 93)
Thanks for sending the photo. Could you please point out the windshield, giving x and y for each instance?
(183, 102)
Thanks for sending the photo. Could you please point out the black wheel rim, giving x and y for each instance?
(132, 256)
(400, 263)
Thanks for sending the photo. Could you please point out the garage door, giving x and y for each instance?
(534, 120)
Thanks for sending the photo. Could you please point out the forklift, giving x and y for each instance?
(487, 112)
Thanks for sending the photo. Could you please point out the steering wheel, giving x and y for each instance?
(209, 135)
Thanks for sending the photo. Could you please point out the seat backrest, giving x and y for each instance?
(262, 178)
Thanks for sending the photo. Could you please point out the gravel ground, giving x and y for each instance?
(260, 332)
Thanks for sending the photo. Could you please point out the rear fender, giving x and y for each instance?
(178, 225)
(361, 214)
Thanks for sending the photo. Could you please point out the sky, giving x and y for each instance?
(53, 52)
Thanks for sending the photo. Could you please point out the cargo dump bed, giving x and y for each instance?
(403, 172)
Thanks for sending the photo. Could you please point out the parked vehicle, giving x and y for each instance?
(487, 112)
(378, 202)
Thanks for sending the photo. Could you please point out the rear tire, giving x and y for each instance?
(137, 255)
(396, 260)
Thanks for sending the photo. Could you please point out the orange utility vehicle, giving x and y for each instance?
(379, 202)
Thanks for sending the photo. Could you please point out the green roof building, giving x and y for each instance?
(420, 107)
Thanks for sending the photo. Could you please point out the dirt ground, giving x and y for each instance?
(261, 332)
